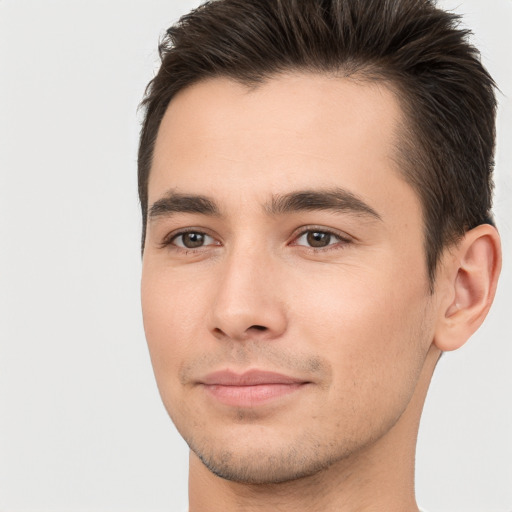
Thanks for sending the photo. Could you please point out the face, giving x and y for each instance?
(284, 287)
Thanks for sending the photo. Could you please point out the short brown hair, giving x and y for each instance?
(447, 146)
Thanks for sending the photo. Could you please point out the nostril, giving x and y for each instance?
(258, 327)
(219, 333)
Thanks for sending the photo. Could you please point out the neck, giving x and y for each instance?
(378, 477)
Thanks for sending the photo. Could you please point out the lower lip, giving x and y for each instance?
(250, 396)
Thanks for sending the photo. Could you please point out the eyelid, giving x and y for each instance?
(340, 235)
(170, 237)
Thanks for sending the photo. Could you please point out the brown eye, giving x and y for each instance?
(192, 240)
(318, 238)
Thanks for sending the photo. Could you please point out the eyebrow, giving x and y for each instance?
(337, 200)
(174, 202)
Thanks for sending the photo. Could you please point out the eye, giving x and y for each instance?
(192, 240)
(318, 239)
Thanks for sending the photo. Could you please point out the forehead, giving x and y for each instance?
(298, 130)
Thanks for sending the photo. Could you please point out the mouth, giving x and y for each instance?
(250, 389)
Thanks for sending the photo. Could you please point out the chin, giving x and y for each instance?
(260, 468)
(261, 459)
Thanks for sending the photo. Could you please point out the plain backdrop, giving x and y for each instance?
(82, 428)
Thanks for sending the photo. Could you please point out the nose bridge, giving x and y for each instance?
(248, 299)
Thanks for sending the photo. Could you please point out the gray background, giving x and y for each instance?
(81, 424)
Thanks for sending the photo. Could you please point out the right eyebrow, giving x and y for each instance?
(174, 202)
(336, 200)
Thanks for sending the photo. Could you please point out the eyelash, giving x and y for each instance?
(169, 240)
(341, 241)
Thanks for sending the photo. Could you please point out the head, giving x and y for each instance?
(308, 174)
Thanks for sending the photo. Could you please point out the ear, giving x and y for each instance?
(469, 280)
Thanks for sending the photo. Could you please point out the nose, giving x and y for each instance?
(248, 303)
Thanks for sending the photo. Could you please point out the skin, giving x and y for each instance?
(354, 319)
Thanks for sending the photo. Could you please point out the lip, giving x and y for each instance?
(249, 389)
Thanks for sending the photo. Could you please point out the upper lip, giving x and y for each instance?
(248, 378)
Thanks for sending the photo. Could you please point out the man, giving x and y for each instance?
(315, 181)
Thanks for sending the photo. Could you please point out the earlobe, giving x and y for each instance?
(472, 275)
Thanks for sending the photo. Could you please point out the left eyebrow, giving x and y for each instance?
(337, 200)
(174, 202)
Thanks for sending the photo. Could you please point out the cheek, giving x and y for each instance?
(170, 311)
(372, 329)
